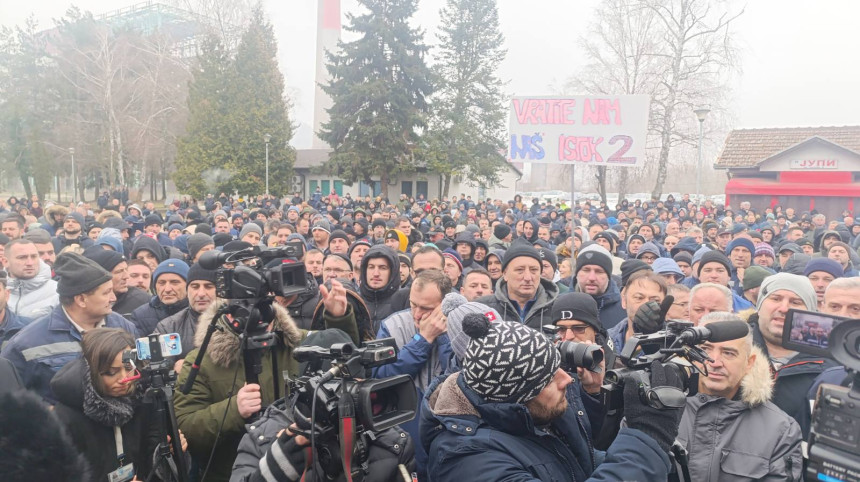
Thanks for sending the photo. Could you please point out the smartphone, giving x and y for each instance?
(170, 345)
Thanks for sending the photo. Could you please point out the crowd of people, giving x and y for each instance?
(467, 289)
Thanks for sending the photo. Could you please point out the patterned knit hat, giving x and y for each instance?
(507, 362)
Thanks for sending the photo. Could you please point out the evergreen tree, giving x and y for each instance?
(233, 104)
(379, 87)
(467, 131)
(202, 155)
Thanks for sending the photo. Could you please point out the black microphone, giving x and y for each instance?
(715, 332)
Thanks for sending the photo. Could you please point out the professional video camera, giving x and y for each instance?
(834, 446)
(156, 374)
(338, 411)
(244, 279)
(677, 340)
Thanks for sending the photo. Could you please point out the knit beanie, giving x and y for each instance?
(754, 276)
(741, 243)
(456, 309)
(764, 248)
(595, 255)
(111, 237)
(519, 248)
(339, 234)
(402, 241)
(76, 274)
(450, 253)
(827, 265)
(77, 217)
(173, 266)
(38, 236)
(798, 285)
(358, 242)
(714, 257)
(106, 258)
(630, 266)
(685, 257)
(667, 266)
(507, 362)
(576, 306)
(250, 228)
(152, 219)
(221, 239)
(548, 255)
(198, 241)
(610, 238)
(501, 231)
(198, 273)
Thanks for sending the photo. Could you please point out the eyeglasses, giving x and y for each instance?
(335, 270)
(575, 329)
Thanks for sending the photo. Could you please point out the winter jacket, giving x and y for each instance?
(609, 309)
(183, 323)
(49, 224)
(389, 448)
(94, 439)
(35, 297)
(356, 305)
(793, 380)
(10, 382)
(61, 242)
(44, 346)
(469, 439)
(212, 396)
(745, 438)
(379, 301)
(536, 313)
(417, 358)
(302, 308)
(131, 300)
(11, 325)
(146, 317)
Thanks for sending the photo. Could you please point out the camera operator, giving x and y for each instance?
(271, 452)
(731, 429)
(509, 418)
(794, 372)
(220, 392)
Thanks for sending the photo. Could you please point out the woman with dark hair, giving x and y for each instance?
(101, 406)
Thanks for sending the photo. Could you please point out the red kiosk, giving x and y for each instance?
(803, 168)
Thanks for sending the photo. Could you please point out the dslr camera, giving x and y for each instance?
(834, 441)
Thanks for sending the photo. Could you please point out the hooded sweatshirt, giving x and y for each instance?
(378, 301)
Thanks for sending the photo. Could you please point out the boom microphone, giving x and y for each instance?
(714, 332)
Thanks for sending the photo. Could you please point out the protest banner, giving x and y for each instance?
(593, 130)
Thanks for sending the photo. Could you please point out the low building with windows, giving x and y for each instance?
(805, 168)
(307, 176)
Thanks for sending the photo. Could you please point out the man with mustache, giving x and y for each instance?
(732, 416)
(794, 372)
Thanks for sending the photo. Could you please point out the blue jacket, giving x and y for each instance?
(417, 358)
(146, 317)
(10, 325)
(44, 346)
(471, 439)
(609, 309)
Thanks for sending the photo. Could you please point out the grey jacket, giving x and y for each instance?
(539, 312)
(35, 297)
(185, 324)
(744, 439)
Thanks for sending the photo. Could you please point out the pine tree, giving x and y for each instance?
(467, 131)
(379, 87)
(233, 104)
(202, 155)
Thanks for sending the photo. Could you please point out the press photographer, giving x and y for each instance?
(500, 414)
(213, 412)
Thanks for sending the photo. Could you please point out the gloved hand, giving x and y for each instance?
(649, 318)
(661, 425)
(285, 459)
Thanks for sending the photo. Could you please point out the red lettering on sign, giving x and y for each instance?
(599, 111)
(579, 149)
(544, 111)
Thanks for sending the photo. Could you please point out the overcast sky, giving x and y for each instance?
(799, 58)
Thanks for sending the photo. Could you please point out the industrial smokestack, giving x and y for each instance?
(328, 35)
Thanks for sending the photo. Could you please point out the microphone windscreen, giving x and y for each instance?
(727, 330)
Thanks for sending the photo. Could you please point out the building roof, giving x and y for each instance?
(309, 158)
(748, 147)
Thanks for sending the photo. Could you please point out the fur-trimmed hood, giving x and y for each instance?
(224, 345)
(757, 385)
(55, 209)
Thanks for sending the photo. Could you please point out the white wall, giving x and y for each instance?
(810, 151)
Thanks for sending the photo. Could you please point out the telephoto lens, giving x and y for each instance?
(579, 355)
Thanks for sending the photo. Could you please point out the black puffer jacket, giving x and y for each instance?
(95, 440)
(379, 301)
(146, 317)
(131, 300)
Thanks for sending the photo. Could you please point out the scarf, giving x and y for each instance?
(110, 411)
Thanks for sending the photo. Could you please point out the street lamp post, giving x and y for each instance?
(74, 174)
(701, 113)
(267, 138)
